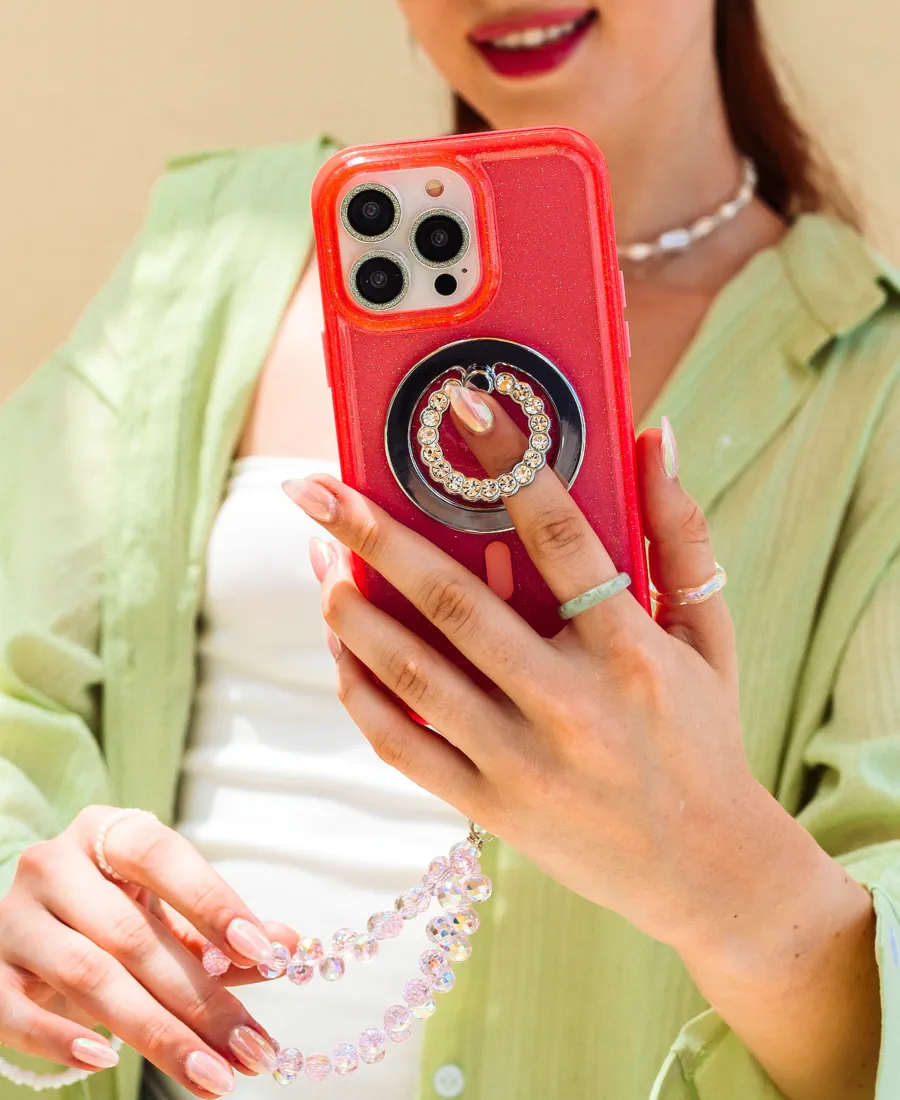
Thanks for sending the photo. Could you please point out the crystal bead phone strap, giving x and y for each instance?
(455, 881)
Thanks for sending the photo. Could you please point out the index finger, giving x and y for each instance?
(148, 854)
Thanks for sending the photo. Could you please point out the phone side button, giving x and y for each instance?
(498, 567)
(622, 285)
(628, 340)
(327, 358)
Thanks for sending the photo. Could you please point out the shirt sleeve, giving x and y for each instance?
(852, 765)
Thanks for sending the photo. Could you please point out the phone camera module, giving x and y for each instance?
(439, 238)
(379, 280)
(370, 212)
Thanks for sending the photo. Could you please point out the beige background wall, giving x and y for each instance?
(94, 94)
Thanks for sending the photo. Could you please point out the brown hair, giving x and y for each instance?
(794, 178)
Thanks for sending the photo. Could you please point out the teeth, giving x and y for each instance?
(534, 37)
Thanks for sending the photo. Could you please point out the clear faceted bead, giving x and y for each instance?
(413, 902)
(455, 482)
(427, 436)
(299, 973)
(332, 968)
(309, 950)
(540, 441)
(521, 391)
(371, 1045)
(432, 454)
(365, 948)
(345, 1059)
(533, 406)
(443, 982)
(385, 926)
(284, 1079)
(440, 471)
(463, 857)
(451, 895)
(318, 1067)
(215, 962)
(478, 887)
(459, 948)
(508, 485)
(434, 961)
(471, 489)
(450, 384)
(401, 1036)
(533, 458)
(466, 921)
(416, 992)
(539, 423)
(440, 930)
(425, 1010)
(439, 870)
(396, 1018)
(523, 474)
(490, 490)
(342, 940)
(439, 401)
(430, 418)
(281, 957)
(290, 1061)
(504, 383)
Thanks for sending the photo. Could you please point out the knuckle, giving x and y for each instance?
(151, 848)
(132, 939)
(557, 531)
(83, 971)
(405, 676)
(447, 602)
(211, 901)
(208, 1003)
(693, 528)
(368, 539)
(35, 861)
(157, 1037)
(392, 748)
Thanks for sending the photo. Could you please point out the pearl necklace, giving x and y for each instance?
(679, 240)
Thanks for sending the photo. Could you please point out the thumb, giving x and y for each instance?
(681, 555)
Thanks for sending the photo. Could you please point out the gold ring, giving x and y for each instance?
(683, 596)
(488, 489)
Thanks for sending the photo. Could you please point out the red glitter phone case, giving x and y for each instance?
(548, 283)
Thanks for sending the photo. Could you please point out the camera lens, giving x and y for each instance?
(378, 280)
(439, 238)
(370, 212)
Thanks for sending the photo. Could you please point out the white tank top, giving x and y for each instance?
(284, 796)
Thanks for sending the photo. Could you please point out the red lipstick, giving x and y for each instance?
(514, 48)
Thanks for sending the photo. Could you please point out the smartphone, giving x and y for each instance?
(466, 259)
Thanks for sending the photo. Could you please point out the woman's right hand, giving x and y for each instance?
(77, 951)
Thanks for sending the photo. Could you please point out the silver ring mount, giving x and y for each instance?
(468, 359)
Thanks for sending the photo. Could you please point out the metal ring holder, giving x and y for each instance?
(412, 443)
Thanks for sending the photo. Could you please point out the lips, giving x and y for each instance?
(533, 44)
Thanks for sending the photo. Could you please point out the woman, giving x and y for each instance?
(661, 870)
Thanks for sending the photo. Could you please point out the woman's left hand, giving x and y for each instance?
(613, 755)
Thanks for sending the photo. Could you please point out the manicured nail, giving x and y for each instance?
(669, 450)
(472, 409)
(94, 1052)
(209, 1073)
(322, 557)
(249, 940)
(313, 498)
(334, 643)
(252, 1050)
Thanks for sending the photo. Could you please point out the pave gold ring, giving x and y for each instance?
(489, 489)
(682, 597)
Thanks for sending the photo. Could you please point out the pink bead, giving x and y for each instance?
(278, 964)
(345, 1059)
(463, 858)
(215, 962)
(424, 1011)
(385, 926)
(318, 1067)
(299, 973)
(332, 968)
(416, 992)
(439, 870)
(459, 948)
(396, 1018)
(466, 921)
(365, 948)
(371, 1045)
(342, 940)
(309, 950)
(433, 961)
(401, 1036)
(478, 887)
(413, 902)
(440, 930)
(451, 895)
(290, 1060)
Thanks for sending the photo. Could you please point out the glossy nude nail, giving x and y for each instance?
(313, 498)
(321, 557)
(334, 643)
(668, 450)
(252, 1050)
(249, 940)
(472, 409)
(94, 1052)
(209, 1073)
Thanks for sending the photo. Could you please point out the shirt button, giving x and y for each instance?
(449, 1081)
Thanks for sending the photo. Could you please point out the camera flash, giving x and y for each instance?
(434, 188)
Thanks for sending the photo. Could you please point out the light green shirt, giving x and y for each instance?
(787, 411)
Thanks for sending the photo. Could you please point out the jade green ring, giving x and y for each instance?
(594, 596)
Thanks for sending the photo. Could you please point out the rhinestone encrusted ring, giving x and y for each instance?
(489, 489)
